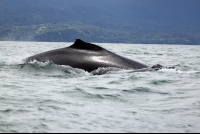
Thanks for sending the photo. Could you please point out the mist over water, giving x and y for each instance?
(44, 97)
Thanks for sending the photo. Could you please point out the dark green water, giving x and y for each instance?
(43, 97)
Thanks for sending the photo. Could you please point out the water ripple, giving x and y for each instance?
(44, 97)
(161, 82)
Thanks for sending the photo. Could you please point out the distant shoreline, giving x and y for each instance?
(70, 31)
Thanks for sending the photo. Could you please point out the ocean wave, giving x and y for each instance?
(143, 90)
(51, 69)
(13, 60)
(168, 70)
(161, 82)
(106, 70)
(88, 94)
(100, 95)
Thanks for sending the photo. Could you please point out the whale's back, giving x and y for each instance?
(86, 56)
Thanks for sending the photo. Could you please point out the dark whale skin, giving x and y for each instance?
(86, 56)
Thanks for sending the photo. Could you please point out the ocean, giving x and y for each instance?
(47, 98)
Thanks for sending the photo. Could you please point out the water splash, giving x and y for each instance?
(106, 70)
(51, 69)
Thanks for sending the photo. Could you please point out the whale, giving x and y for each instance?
(90, 57)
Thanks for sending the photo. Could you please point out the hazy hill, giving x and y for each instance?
(140, 19)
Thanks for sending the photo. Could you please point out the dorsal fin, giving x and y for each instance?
(79, 44)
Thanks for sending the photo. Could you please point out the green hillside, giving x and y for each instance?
(69, 32)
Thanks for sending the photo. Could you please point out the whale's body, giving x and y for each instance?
(88, 57)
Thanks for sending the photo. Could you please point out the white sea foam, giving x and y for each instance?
(40, 63)
(167, 70)
(14, 60)
(177, 71)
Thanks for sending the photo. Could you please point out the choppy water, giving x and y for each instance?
(39, 97)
